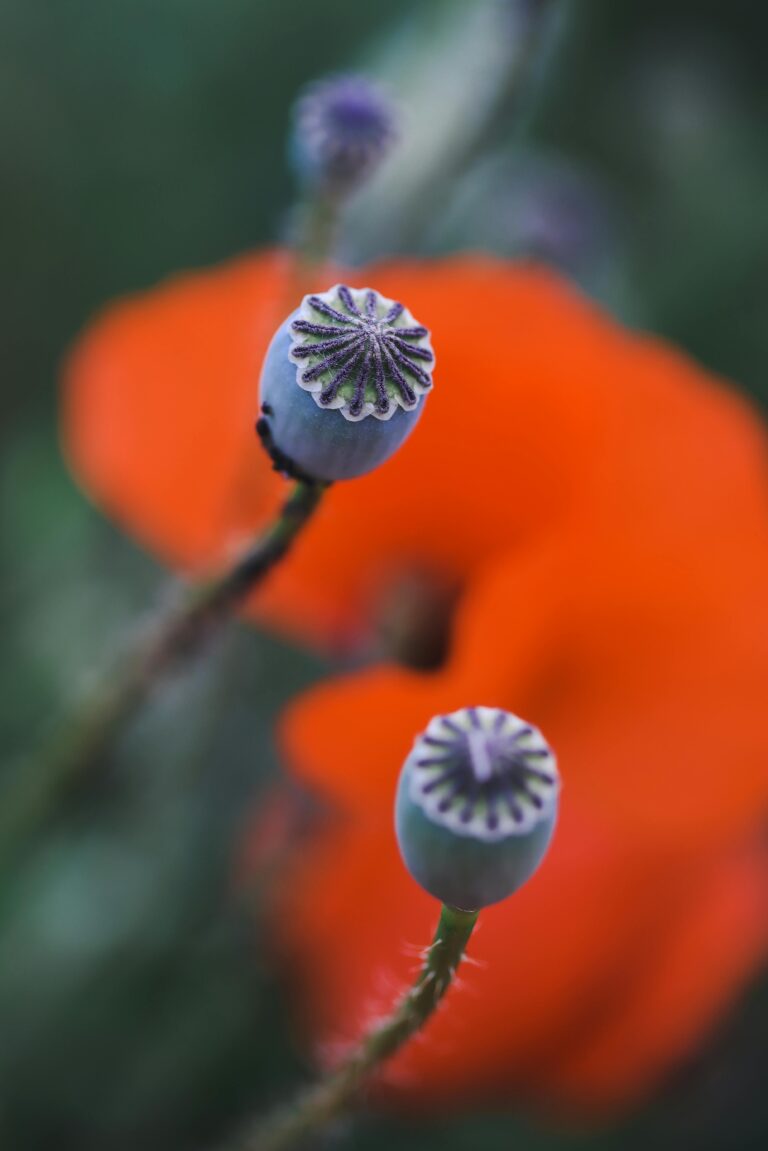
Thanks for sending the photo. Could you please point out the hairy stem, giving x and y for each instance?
(84, 737)
(334, 1096)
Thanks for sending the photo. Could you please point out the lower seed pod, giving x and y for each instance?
(343, 384)
(476, 806)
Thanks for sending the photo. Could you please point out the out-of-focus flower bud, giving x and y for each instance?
(476, 806)
(343, 384)
(343, 128)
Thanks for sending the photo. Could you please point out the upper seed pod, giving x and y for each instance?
(476, 806)
(343, 127)
(343, 384)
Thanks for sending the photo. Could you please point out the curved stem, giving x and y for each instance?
(320, 1105)
(178, 635)
(510, 112)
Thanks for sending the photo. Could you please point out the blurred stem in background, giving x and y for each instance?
(319, 223)
(531, 47)
(471, 77)
(177, 636)
(333, 1097)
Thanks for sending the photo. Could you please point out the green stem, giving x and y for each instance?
(86, 735)
(318, 225)
(318, 217)
(334, 1096)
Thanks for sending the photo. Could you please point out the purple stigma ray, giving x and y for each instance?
(317, 329)
(415, 350)
(331, 361)
(394, 350)
(443, 779)
(346, 297)
(514, 807)
(331, 390)
(434, 761)
(380, 382)
(359, 398)
(474, 718)
(541, 776)
(403, 360)
(323, 346)
(406, 391)
(326, 309)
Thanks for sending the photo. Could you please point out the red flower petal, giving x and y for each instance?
(159, 407)
(679, 987)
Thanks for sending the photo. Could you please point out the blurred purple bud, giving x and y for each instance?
(343, 127)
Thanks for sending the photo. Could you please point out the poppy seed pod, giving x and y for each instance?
(343, 384)
(476, 806)
(343, 128)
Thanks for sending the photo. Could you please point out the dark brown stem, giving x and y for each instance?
(176, 638)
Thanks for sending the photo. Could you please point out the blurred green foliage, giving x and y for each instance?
(138, 138)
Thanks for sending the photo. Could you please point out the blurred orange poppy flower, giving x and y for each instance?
(596, 507)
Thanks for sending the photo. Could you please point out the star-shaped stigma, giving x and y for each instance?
(484, 773)
(361, 353)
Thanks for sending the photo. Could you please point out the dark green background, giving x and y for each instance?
(138, 137)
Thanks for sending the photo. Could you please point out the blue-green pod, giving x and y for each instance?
(476, 806)
(343, 384)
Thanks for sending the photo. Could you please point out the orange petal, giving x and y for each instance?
(647, 678)
(684, 979)
(160, 399)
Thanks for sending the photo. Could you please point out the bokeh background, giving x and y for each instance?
(139, 137)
